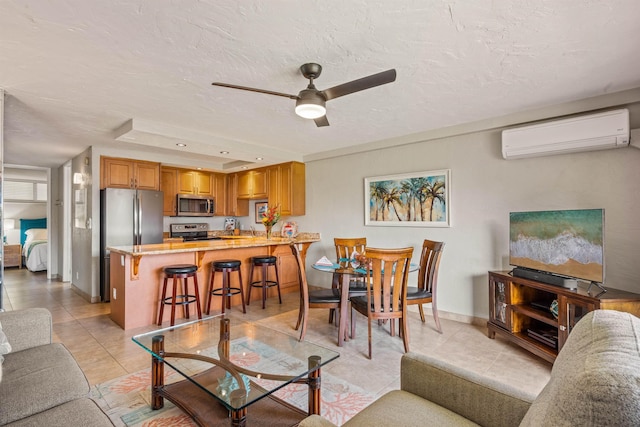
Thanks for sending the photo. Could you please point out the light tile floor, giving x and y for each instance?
(104, 351)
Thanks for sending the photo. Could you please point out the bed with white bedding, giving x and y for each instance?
(34, 243)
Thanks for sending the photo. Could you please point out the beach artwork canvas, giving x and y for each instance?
(565, 242)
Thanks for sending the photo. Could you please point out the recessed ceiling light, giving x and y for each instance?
(258, 158)
(180, 144)
(224, 152)
(244, 167)
(199, 169)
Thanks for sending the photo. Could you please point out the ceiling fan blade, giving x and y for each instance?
(321, 121)
(360, 84)
(251, 89)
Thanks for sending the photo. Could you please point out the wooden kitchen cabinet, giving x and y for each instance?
(186, 181)
(219, 183)
(252, 184)
(194, 182)
(287, 269)
(283, 185)
(287, 188)
(129, 173)
(169, 187)
(235, 206)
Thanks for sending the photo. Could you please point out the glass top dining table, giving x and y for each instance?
(348, 269)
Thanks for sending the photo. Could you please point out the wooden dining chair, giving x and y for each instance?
(425, 292)
(345, 247)
(321, 298)
(389, 269)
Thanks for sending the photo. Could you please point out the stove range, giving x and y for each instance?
(191, 232)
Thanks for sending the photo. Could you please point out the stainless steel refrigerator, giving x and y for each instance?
(127, 217)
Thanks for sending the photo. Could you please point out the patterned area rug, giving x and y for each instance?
(127, 399)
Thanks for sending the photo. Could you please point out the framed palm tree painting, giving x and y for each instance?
(420, 199)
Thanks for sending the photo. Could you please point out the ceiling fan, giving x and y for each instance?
(310, 102)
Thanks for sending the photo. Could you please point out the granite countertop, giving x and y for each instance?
(231, 242)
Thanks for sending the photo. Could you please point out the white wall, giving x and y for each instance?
(85, 271)
(54, 212)
(485, 188)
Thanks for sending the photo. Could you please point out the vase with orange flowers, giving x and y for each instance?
(270, 217)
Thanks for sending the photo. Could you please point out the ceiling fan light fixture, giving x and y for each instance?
(310, 102)
(310, 111)
(309, 105)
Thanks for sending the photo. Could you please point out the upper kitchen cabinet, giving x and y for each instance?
(287, 188)
(169, 187)
(235, 206)
(128, 173)
(194, 182)
(252, 184)
(220, 194)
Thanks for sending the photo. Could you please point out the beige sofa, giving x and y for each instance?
(595, 381)
(41, 383)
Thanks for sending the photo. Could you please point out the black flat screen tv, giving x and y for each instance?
(568, 243)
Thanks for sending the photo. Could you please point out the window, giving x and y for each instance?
(24, 191)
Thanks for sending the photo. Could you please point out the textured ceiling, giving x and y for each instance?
(81, 72)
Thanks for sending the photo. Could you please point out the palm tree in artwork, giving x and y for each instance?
(405, 201)
(433, 191)
(378, 191)
(411, 187)
(391, 199)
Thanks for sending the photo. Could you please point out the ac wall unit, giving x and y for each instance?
(584, 133)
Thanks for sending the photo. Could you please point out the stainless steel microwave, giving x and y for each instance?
(191, 205)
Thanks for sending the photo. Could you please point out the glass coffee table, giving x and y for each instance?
(229, 371)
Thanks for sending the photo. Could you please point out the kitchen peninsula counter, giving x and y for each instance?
(137, 272)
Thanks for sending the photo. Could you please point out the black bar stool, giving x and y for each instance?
(175, 272)
(264, 262)
(226, 267)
